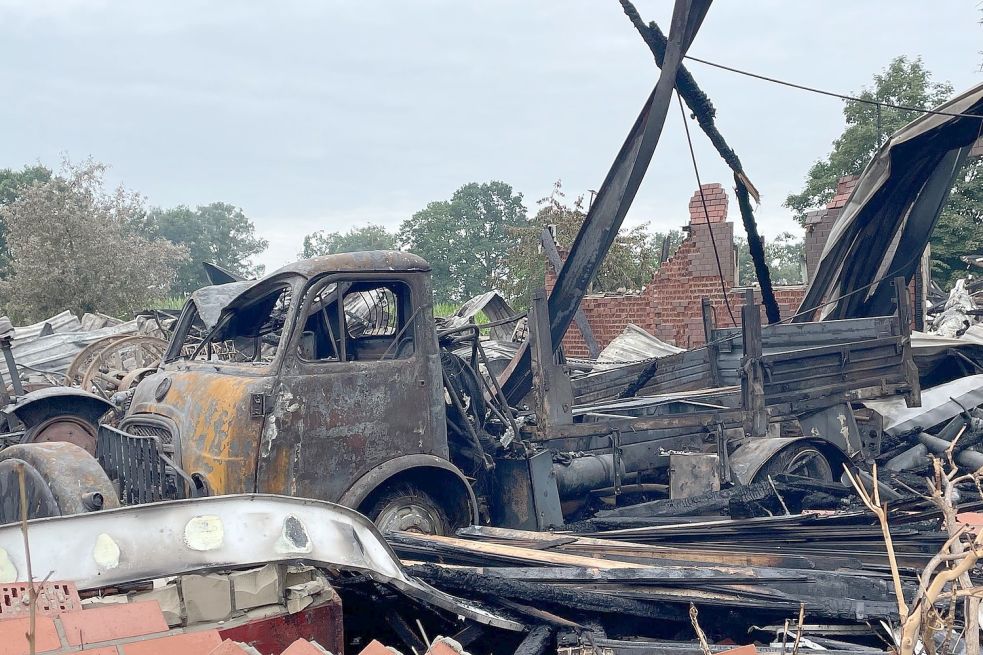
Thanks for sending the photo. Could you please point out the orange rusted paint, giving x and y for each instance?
(219, 437)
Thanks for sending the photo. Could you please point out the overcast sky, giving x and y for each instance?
(326, 115)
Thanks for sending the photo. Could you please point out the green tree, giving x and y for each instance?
(959, 230)
(904, 82)
(960, 227)
(630, 263)
(76, 245)
(218, 233)
(466, 239)
(366, 237)
(784, 255)
(12, 183)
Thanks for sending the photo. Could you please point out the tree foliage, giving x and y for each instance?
(904, 82)
(630, 263)
(75, 245)
(466, 239)
(960, 227)
(366, 237)
(12, 183)
(784, 255)
(959, 230)
(218, 233)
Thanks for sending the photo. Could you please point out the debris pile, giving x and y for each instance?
(48, 352)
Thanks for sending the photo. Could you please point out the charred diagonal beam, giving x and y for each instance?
(556, 262)
(614, 197)
(694, 97)
(701, 106)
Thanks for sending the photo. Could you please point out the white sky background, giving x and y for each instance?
(326, 115)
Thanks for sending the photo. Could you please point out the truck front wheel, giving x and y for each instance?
(406, 508)
(60, 478)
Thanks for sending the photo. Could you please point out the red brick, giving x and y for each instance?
(113, 622)
(750, 649)
(189, 643)
(13, 635)
(375, 648)
(229, 647)
(304, 647)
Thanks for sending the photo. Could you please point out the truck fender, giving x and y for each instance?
(749, 458)
(40, 405)
(376, 478)
(60, 414)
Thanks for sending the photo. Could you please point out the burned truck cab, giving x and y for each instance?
(321, 380)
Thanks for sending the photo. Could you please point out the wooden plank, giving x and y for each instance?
(551, 384)
(553, 256)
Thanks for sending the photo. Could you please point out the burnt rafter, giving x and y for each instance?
(614, 197)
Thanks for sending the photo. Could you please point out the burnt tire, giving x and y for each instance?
(409, 509)
(798, 459)
(60, 478)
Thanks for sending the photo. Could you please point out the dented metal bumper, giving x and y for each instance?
(150, 541)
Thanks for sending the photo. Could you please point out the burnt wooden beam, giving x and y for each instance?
(536, 642)
(580, 318)
(607, 213)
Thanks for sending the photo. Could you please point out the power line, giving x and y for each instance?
(833, 94)
(706, 212)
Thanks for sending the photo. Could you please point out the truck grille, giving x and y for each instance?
(145, 429)
(136, 464)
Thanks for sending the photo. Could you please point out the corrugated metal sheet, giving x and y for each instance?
(633, 345)
(39, 359)
(64, 322)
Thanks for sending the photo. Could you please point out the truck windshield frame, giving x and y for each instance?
(250, 333)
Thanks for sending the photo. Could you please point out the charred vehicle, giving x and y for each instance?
(330, 379)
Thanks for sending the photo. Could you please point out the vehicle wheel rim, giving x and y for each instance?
(810, 464)
(68, 429)
(409, 517)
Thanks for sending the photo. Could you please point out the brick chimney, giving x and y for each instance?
(843, 190)
(819, 223)
(716, 205)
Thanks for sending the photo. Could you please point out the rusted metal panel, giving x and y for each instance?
(333, 423)
(217, 436)
(692, 474)
(527, 498)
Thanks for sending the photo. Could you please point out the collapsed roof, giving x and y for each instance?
(888, 220)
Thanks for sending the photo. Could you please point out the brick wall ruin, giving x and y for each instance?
(819, 222)
(670, 306)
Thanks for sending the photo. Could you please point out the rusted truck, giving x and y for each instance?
(330, 379)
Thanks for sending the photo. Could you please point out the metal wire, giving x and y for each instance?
(706, 212)
(841, 96)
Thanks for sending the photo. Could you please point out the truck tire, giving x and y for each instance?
(60, 478)
(802, 459)
(406, 508)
